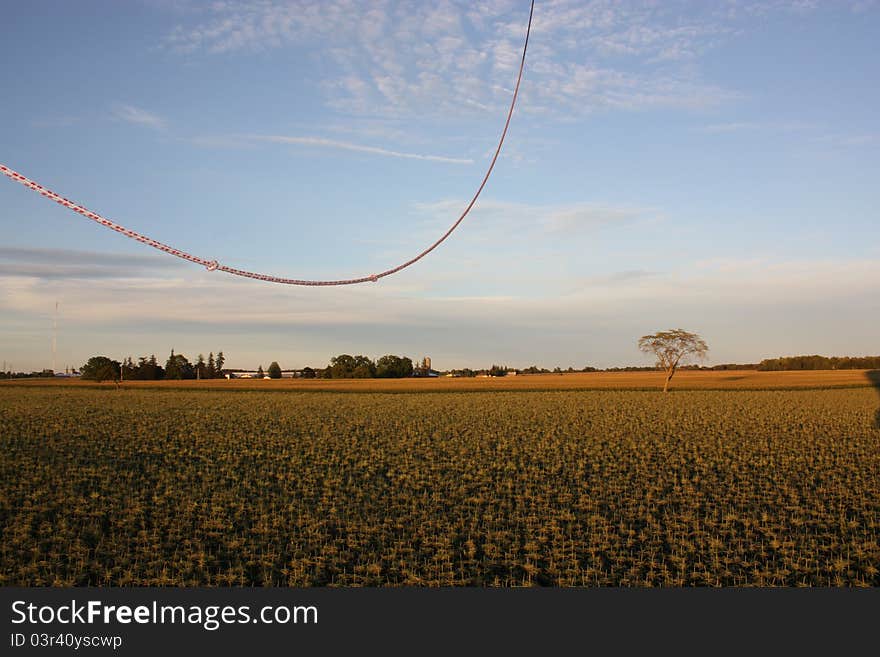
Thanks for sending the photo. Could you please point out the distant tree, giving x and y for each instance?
(308, 373)
(155, 370)
(186, 369)
(736, 366)
(274, 370)
(497, 370)
(147, 369)
(178, 367)
(101, 368)
(211, 368)
(393, 367)
(673, 348)
(345, 366)
(218, 363)
(171, 369)
(128, 370)
(260, 372)
(201, 368)
(364, 368)
(341, 366)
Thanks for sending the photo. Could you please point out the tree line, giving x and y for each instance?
(147, 368)
(345, 366)
(177, 366)
(534, 369)
(820, 363)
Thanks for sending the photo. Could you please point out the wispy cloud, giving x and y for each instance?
(358, 148)
(754, 126)
(865, 139)
(580, 88)
(123, 315)
(188, 297)
(493, 218)
(817, 133)
(409, 57)
(52, 264)
(137, 116)
(736, 126)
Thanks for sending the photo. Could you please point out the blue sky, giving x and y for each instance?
(712, 166)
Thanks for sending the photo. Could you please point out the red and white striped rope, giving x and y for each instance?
(213, 265)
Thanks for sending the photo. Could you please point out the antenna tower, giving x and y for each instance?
(54, 338)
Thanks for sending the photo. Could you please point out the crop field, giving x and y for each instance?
(684, 380)
(171, 486)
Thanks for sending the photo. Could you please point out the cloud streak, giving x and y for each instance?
(532, 221)
(54, 264)
(321, 142)
(755, 126)
(137, 116)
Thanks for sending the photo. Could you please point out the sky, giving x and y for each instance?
(705, 165)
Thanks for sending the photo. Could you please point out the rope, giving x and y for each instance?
(213, 265)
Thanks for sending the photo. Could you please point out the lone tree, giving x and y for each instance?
(673, 348)
(274, 370)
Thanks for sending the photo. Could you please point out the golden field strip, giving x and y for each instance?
(192, 486)
(683, 380)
